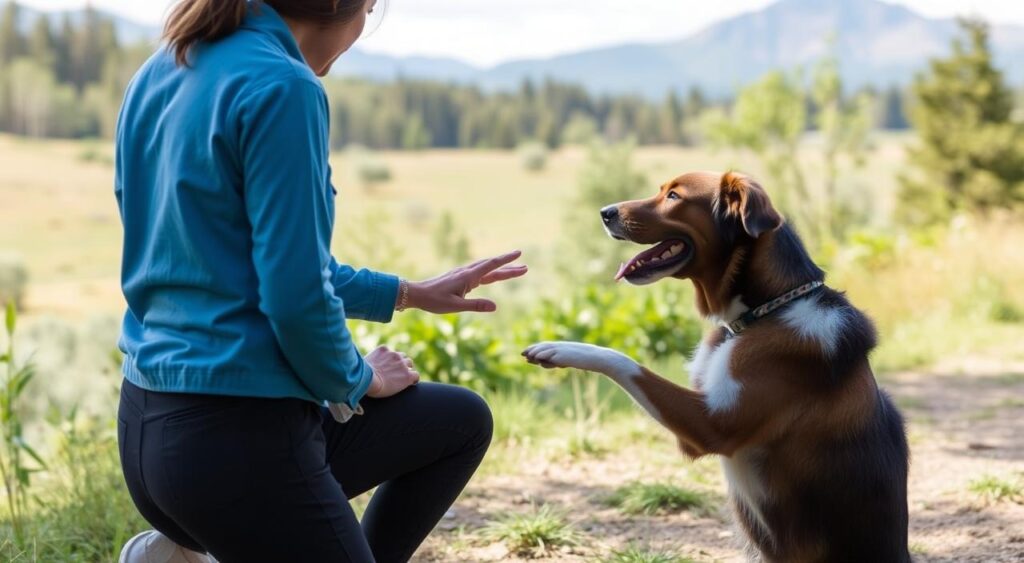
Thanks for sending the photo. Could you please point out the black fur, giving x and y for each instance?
(857, 507)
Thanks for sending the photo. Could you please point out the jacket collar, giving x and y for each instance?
(264, 19)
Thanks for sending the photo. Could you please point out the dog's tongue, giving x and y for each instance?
(622, 271)
(625, 267)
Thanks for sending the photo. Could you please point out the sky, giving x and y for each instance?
(486, 32)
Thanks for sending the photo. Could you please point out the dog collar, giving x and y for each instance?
(764, 309)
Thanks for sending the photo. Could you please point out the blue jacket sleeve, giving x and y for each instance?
(290, 205)
(368, 295)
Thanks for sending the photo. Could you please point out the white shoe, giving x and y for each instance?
(153, 547)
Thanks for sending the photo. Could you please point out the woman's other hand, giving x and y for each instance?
(392, 372)
(447, 293)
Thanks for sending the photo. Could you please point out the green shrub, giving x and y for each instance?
(450, 349)
(647, 324)
(368, 168)
(533, 156)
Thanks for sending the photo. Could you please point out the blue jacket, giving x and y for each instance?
(225, 195)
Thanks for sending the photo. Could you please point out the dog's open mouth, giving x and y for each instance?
(664, 258)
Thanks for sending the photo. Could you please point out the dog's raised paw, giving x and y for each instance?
(580, 356)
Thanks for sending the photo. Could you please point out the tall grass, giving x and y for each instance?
(936, 294)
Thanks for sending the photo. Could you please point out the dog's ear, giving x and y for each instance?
(741, 197)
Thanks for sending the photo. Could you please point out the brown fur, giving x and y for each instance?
(797, 406)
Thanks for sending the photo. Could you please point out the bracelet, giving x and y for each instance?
(403, 295)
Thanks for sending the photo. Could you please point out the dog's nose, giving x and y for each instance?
(608, 214)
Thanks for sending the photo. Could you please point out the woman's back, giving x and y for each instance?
(192, 142)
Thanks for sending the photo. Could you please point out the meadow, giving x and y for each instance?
(575, 472)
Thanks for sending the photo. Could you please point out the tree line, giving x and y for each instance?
(66, 78)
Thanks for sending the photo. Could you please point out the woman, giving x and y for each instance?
(235, 331)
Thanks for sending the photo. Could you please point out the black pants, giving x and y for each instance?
(249, 479)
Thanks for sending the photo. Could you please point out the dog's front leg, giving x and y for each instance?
(681, 410)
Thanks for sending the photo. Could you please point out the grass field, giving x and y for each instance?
(59, 213)
(949, 305)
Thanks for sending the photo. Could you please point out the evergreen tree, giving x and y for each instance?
(12, 42)
(971, 153)
(41, 44)
(893, 116)
(671, 120)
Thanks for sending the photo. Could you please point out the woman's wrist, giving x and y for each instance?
(402, 301)
(376, 385)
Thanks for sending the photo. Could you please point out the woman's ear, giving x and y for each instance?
(741, 197)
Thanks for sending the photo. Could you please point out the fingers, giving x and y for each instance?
(476, 306)
(483, 267)
(504, 273)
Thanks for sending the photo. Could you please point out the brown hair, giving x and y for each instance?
(192, 21)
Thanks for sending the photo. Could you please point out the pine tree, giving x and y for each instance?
(971, 153)
(41, 44)
(893, 116)
(12, 43)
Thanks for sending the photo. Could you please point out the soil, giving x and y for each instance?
(965, 422)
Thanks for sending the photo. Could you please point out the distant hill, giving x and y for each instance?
(878, 44)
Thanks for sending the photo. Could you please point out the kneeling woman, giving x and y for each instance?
(235, 331)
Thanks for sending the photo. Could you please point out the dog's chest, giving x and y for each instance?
(710, 373)
(743, 472)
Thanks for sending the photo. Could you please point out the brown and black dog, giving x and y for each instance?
(814, 452)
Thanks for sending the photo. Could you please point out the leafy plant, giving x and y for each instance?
(533, 534)
(15, 467)
(657, 498)
(993, 489)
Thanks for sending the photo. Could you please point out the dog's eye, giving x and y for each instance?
(672, 195)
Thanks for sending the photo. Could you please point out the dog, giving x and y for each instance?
(815, 454)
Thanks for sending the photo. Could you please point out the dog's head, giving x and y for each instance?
(694, 222)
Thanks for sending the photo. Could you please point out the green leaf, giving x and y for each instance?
(22, 378)
(11, 317)
(31, 452)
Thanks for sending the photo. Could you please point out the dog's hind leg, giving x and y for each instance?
(681, 410)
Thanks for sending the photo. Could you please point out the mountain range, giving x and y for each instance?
(877, 43)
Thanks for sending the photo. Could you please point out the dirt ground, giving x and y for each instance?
(965, 422)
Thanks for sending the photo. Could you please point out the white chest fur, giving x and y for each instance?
(710, 373)
(743, 473)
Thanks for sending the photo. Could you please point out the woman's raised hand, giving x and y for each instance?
(392, 372)
(447, 293)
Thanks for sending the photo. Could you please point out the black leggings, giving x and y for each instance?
(248, 479)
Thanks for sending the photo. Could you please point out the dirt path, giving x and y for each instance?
(966, 422)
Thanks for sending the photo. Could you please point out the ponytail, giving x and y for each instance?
(193, 21)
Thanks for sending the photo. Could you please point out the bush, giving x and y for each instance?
(533, 156)
(450, 349)
(368, 168)
(13, 280)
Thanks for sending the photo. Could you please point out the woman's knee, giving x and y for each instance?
(472, 412)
